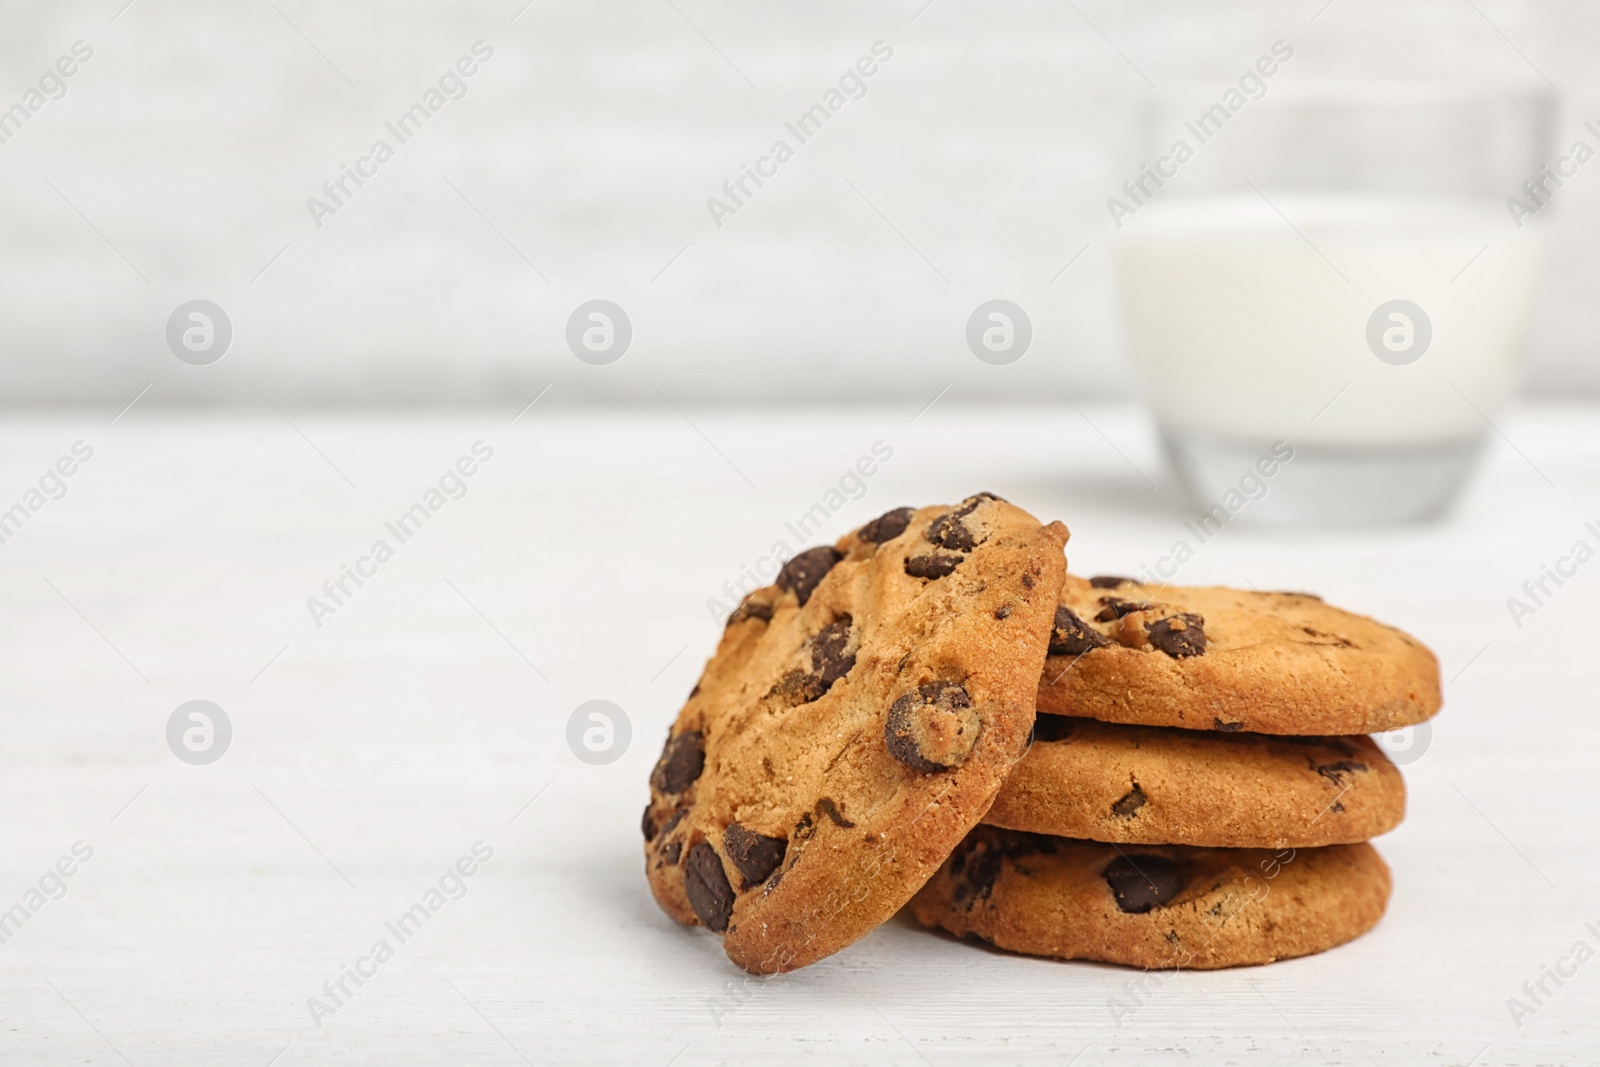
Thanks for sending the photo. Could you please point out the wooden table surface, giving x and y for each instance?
(375, 745)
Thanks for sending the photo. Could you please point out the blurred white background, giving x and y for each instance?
(370, 749)
(977, 165)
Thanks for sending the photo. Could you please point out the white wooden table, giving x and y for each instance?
(429, 712)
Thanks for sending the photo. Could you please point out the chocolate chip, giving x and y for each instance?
(886, 527)
(974, 870)
(751, 609)
(976, 863)
(829, 663)
(1071, 636)
(1334, 771)
(1053, 727)
(706, 883)
(828, 657)
(947, 531)
(798, 687)
(755, 855)
(1130, 803)
(932, 728)
(1226, 727)
(931, 566)
(677, 817)
(672, 852)
(681, 762)
(649, 824)
(1114, 609)
(1179, 635)
(827, 807)
(1108, 581)
(1003, 612)
(1140, 883)
(804, 828)
(802, 573)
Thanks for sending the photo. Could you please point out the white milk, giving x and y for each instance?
(1241, 329)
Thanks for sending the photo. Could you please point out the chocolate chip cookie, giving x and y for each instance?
(1211, 658)
(1167, 907)
(857, 720)
(1158, 785)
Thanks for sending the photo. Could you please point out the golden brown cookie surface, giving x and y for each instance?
(1154, 906)
(1212, 658)
(1159, 785)
(856, 721)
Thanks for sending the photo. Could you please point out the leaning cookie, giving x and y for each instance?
(857, 720)
(1147, 906)
(1211, 658)
(1158, 785)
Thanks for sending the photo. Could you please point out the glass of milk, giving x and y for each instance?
(1330, 285)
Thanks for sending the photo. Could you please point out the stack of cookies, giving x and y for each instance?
(1194, 792)
(1201, 791)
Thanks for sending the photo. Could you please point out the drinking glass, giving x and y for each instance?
(1333, 285)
